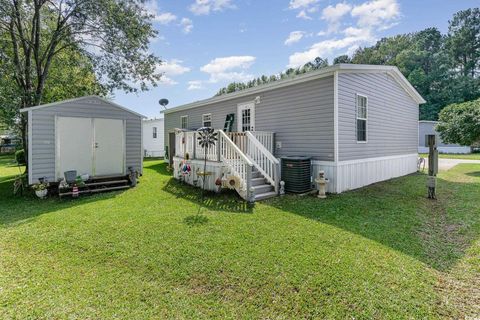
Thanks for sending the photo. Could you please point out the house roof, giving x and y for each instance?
(325, 72)
(81, 98)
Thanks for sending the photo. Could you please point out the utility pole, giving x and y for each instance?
(432, 165)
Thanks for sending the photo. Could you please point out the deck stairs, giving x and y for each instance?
(250, 159)
(97, 185)
(263, 189)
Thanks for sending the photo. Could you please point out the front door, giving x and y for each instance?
(109, 147)
(246, 117)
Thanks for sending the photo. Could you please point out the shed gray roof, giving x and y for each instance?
(81, 98)
(343, 67)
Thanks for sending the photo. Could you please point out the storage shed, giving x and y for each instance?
(90, 134)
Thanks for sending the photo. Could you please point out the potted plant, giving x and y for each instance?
(41, 189)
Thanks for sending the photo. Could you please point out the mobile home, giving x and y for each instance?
(357, 123)
(426, 128)
(153, 140)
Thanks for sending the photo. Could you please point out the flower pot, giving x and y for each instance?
(41, 193)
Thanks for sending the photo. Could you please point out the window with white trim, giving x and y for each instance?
(184, 122)
(154, 132)
(362, 109)
(207, 120)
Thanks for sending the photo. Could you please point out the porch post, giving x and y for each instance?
(219, 146)
(194, 155)
(250, 193)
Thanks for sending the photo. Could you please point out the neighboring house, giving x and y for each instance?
(91, 135)
(153, 138)
(428, 128)
(358, 123)
(8, 140)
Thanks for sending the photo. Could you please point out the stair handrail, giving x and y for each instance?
(238, 163)
(263, 160)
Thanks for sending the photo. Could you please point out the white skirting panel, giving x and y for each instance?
(192, 178)
(358, 173)
(452, 150)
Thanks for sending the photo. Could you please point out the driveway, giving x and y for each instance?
(447, 164)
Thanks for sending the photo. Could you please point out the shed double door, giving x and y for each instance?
(90, 145)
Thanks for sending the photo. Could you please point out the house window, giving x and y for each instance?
(207, 120)
(362, 106)
(154, 132)
(184, 122)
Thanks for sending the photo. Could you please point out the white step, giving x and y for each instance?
(262, 188)
(258, 181)
(256, 174)
(265, 195)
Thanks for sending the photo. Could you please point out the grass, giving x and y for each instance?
(470, 156)
(151, 252)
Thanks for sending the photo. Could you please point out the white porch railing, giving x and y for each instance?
(237, 162)
(263, 160)
(265, 138)
(239, 151)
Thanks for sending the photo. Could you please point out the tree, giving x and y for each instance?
(342, 59)
(113, 34)
(317, 63)
(460, 123)
(463, 41)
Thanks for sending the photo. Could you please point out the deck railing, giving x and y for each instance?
(239, 151)
(265, 138)
(263, 160)
(237, 162)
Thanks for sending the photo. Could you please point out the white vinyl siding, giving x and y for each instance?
(301, 116)
(362, 109)
(207, 120)
(43, 132)
(392, 126)
(184, 122)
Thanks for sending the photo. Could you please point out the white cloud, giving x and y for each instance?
(195, 85)
(370, 18)
(376, 13)
(187, 25)
(294, 37)
(334, 14)
(165, 18)
(299, 4)
(167, 81)
(305, 7)
(204, 7)
(351, 41)
(229, 68)
(171, 68)
(151, 7)
(303, 15)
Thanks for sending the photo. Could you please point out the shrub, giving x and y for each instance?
(20, 156)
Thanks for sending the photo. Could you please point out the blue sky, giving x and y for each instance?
(208, 43)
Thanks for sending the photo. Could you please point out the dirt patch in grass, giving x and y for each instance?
(446, 243)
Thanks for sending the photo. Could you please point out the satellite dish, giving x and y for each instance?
(163, 103)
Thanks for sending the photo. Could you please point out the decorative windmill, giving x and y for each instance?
(207, 137)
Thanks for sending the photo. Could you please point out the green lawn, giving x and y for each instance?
(380, 252)
(470, 156)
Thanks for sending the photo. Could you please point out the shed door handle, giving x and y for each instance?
(96, 145)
